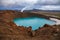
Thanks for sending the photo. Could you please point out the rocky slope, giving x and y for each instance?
(10, 31)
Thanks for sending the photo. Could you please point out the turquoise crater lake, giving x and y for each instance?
(35, 22)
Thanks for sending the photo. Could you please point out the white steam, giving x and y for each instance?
(30, 3)
(25, 8)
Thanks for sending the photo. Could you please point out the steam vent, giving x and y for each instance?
(10, 30)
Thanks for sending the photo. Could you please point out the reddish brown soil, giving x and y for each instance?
(10, 31)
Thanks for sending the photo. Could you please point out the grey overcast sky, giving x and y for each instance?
(30, 4)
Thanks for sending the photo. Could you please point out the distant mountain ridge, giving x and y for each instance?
(36, 10)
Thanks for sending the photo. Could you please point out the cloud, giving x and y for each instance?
(17, 2)
(50, 7)
(47, 4)
(28, 2)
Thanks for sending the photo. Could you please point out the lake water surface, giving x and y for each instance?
(35, 22)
